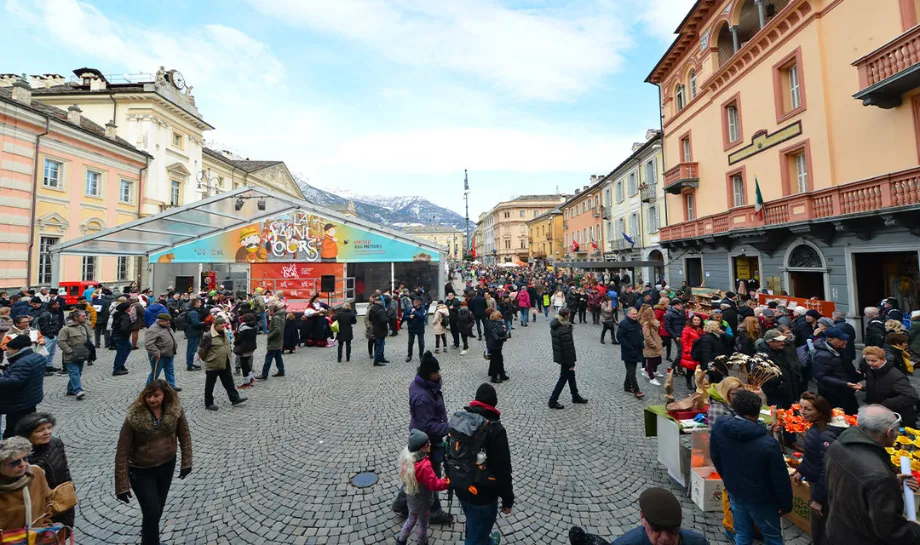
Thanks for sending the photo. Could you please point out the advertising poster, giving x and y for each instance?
(298, 281)
(296, 237)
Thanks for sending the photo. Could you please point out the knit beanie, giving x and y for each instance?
(486, 394)
(428, 366)
(19, 342)
(417, 440)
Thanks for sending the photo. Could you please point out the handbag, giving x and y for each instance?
(63, 497)
(335, 326)
(51, 535)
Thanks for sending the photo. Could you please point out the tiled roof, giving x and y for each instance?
(71, 89)
(431, 229)
(244, 165)
(537, 198)
(86, 124)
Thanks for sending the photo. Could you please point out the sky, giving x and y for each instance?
(385, 97)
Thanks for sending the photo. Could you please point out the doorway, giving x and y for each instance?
(887, 274)
(746, 269)
(185, 284)
(807, 284)
(694, 270)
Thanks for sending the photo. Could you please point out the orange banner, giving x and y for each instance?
(826, 308)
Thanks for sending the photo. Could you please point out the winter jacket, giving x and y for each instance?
(19, 308)
(563, 342)
(6, 323)
(558, 299)
(193, 319)
(495, 334)
(416, 324)
(744, 343)
(802, 330)
(150, 315)
(245, 340)
(832, 375)
(45, 322)
(850, 352)
(13, 509)
(607, 313)
(105, 303)
(440, 329)
(347, 320)
(817, 441)
(660, 313)
(653, 347)
(428, 483)
(453, 307)
(141, 444)
(379, 320)
(21, 385)
(629, 335)
(465, 322)
(53, 461)
(426, 409)
(275, 338)
(710, 346)
(138, 324)
(875, 333)
(368, 326)
(91, 315)
(72, 340)
(638, 536)
(896, 357)
(730, 315)
(865, 500)
(498, 460)
(507, 309)
(478, 306)
(888, 386)
(523, 299)
(215, 350)
(160, 342)
(913, 336)
(674, 322)
(121, 324)
(784, 390)
(750, 462)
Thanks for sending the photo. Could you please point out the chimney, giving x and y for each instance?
(36, 81)
(227, 153)
(22, 93)
(6, 80)
(74, 115)
(110, 130)
(97, 84)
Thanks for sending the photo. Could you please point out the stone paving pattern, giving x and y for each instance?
(277, 468)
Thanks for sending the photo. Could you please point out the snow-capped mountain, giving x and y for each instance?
(386, 210)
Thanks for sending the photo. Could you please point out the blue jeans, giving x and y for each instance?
(51, 347)
(479, 522)
(263, 322)
(525, 315)
(508, 327)
(166, 365)
(122, 350)
(74, 371)
(379, 345)
(766, 518)
(546, 311)
(190, 350)
(267, 365)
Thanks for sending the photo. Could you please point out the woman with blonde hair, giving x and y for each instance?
(708, 347)
(748, 334)
(720, 398)
(421, 482)
(17, 475)
(652, 348)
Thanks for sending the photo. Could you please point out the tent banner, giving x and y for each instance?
(297, 236)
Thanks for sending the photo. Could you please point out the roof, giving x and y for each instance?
(244, 165)
(527, 198)
(431, 229)
(554, 212)
(86, 124)
(687, 32)
(201, 219)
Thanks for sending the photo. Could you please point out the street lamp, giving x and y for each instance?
(205, 179)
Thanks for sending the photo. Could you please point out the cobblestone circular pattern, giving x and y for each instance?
(277, 469)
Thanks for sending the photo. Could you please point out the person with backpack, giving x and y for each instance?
(121, 336)
(161, 347)
(419, 482)
(441, 326)
(428, 414)
(496, 335)
(479, 466)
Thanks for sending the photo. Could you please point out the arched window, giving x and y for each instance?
(679, 98)
(804, 256)
(692, 81)
(726, 45)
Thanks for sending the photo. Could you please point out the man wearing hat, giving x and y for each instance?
(47, 324)
(251, 249)
(661, 516)
(837, 379)
(783, 390)
(215, 350)
(21, 384)
(161, 349)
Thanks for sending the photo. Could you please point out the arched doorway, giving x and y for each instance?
(656, 272)
(806, 271)
(726, 45)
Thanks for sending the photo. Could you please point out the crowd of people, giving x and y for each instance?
(659, 332)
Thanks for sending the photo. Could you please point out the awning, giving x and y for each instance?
(208, 217)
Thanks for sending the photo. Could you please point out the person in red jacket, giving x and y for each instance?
(421, 482)
(692, 332)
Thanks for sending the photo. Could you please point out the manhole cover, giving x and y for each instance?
(364, 479)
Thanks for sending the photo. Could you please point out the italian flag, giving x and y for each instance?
(758, 202)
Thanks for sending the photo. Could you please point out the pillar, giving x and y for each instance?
(734, 31)
(761, 12)
(55, 271)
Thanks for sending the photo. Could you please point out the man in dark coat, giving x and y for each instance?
(840, 320)
(783, 390)
(865, 502)
(478, 308)
(48, 325)
(752, 467)
(21, 385)
(629, 335)
(414, 317)
(193, 329)
(428, 414)
(837, 379)
(453, 309)
(380, 322)
(875, 328)
(560, 330)
(730, 315)
(886, 385)
(674, 321)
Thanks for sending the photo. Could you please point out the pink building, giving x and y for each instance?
(62, 176)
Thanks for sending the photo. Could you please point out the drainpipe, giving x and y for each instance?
(35, 175)
(114, 108)
(140, 197)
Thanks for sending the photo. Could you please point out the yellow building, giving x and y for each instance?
(817, 103)
(504, 231)
(445, 236)
(225, 171)
(545, 242)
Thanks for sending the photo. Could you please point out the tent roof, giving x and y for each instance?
(207, 217)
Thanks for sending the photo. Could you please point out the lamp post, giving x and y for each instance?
(205, 179)
(466, 197)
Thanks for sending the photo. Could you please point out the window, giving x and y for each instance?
(126, 191)
(44, 258)
(652, 219)
(692, 84)
(507, 215)
(633, 187)
(732, 133)
(93, 183)
(523, 244)
(689, 207)
(522, 213)
(651, 173)
(732, 117)
(175, 193)
(507, 244)
(178, 141)
(122, 268)
(621, 227)
(536, 213)
(633, 225)
(686, 153)
(801, 173)
(679, 101)
(796, 166)
(609, 230)
(737, 182)
(620, 191)
(52, 175)
(789, 86)
(607, 197)
(795, 98)
(89, 267)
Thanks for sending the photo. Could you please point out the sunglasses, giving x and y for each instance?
(17, 462)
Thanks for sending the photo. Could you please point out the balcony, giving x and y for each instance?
(565, 225)
(648, 193)
(619, 245)
(538, 254)
(889, 194)
(596, 212)
(684, 175)
(890, 71)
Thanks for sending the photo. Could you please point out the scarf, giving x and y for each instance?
(18, 484)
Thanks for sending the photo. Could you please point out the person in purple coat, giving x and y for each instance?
(427, 413)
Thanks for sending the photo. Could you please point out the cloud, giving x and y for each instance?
(536, 54)
(660, 18)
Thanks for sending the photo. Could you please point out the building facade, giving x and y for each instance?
(633, 209)
(476, 248)
(447, 237)
(224, 171)
(505, 227)
(582, 216)
(62, 176)
(760, 94)
(546, 238)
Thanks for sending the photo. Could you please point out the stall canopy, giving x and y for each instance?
(187, 224)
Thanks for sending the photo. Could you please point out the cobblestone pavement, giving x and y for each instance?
(276, 469)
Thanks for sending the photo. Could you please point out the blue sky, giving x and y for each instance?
(390, 97)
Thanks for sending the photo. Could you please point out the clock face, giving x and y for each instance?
(177, 79)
